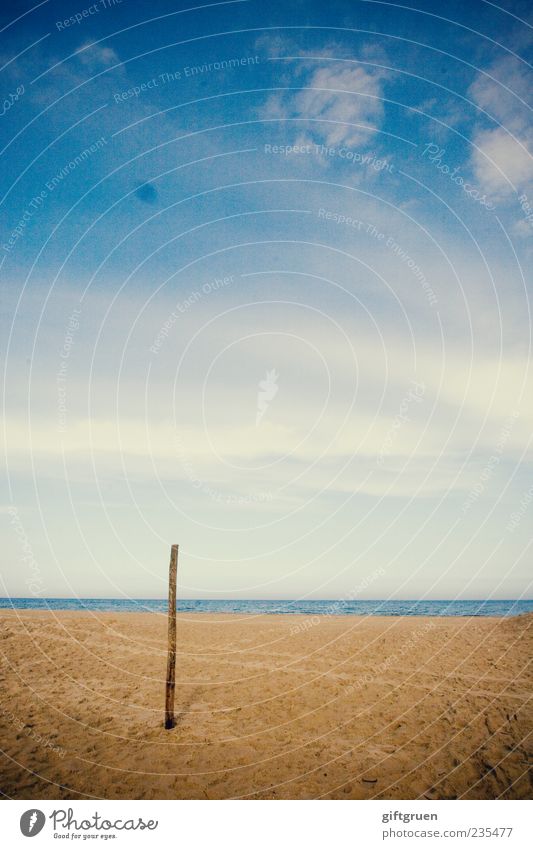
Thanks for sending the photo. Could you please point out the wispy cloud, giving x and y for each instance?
(323, 448)
(97, 56)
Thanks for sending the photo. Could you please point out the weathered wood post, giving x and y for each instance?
(170, 721)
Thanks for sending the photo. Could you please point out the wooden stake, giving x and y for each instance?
(170, 720)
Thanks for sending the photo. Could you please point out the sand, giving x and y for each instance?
(269, 707)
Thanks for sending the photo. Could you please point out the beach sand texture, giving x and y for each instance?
(267, 707)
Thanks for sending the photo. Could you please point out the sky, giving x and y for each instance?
(265, 280)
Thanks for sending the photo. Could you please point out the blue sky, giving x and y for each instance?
(265, 293)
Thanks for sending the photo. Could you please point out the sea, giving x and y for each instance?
(307, 607)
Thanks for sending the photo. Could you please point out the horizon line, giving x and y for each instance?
(218, 598)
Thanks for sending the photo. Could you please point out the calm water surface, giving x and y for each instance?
(324, 607)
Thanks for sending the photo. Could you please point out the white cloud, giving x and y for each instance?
(502, 91)
(340, 99)
(502, 161)
(502, 158)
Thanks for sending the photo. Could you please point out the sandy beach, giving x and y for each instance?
(269, 707)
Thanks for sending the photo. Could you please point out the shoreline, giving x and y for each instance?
(208, 616)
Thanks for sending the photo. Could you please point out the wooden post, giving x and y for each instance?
(170, 721)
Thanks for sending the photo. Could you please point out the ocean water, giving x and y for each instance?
(326, 607)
